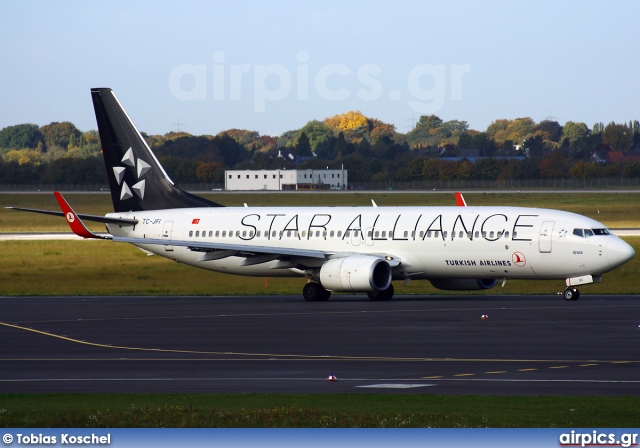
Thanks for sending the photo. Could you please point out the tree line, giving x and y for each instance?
(368, 148)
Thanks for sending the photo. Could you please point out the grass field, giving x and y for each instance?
(324, 411)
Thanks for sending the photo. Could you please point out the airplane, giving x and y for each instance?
(338, 249)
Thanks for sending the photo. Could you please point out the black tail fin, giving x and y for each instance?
(136, 178)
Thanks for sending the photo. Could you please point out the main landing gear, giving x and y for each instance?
(571, 293)
(314, 292)
(382, 295)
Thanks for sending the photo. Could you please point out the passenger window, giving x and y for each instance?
(340, 233)
(288, 233)
(237, 233)
(317, 234)
(436, 234)
(484, 234)
(406, 234)
(384, 234)
(377, 233)
(197, 233)
(369, 234)
(421, 235)
(413, 234)
(244, 233)
(578, 232)
(444, 234)
(324, 234)
(491, 234)
(331, 234)
(190, 232)
(217, 233)
(461, 234)
(273, 234)
(224, 233)
(258, 234)
(304, 233)
(477, 234)
(506, 234)
(515, 234)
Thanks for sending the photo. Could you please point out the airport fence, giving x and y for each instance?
(452, 184)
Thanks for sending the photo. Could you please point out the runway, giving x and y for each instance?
(528, 345)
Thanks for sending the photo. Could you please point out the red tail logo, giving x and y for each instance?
(195, 221)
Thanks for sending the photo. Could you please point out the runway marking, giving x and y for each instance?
(394, 386)
(526, 370)
(275, 356)
(465, 374)
(559, 367)
(588, 365)
(496, 373)
(323, 379)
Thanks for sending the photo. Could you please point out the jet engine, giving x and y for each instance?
(361, 273)
(464, 284)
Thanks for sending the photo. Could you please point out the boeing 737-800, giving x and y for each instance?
(351, 249)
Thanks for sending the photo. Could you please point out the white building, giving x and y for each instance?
(285, 180)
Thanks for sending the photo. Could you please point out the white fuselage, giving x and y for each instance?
(428, 242)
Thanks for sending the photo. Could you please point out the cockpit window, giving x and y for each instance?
(586, 233)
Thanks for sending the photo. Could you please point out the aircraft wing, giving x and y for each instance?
(201, 246)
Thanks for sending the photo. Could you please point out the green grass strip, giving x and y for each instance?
(323, 411)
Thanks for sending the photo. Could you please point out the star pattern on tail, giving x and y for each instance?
(140, 168)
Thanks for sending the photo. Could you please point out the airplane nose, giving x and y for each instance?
(619, 252)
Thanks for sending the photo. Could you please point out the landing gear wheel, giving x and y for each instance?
(387, 294)
(314, 292)
(571, 293)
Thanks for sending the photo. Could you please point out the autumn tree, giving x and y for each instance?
(60, 134)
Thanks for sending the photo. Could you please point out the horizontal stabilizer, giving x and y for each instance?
(92, 218)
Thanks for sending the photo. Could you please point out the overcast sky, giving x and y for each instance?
(272, 66)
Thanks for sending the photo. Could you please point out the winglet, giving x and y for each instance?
(460, 202)
(76, 224)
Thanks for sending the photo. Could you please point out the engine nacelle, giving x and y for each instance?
(464, 284)
(361, 273)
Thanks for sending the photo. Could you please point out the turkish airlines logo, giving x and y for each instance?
(518, 259)
(195, 221)
(70, 217)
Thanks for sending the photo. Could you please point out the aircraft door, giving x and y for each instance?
(356, 237)
(544, 241)
(368, 237)
(166, 234)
